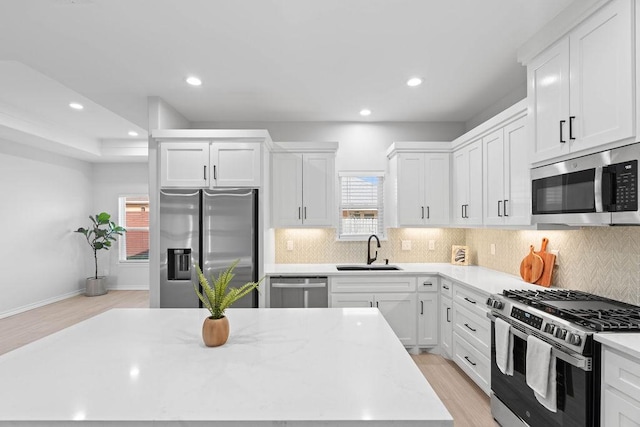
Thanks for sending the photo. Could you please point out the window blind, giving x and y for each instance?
(361, 205)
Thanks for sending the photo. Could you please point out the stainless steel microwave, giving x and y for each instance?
(598, 189)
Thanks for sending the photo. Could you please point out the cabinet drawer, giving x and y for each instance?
(446, 287)
(471, 300)
(373, 284)
(621, 372)
(472, 363)
(428, 283)
(475, 330)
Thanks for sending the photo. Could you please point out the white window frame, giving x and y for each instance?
(122, 240)
(382, 232)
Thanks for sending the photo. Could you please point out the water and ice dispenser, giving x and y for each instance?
(179, 264)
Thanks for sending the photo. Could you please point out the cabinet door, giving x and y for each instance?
(494, 177)
(184, 164)
(446, 326)
(517, 179)
(436, 189)
(286, 172)
(236, 164)
(460, 185)
(602, 77)
(399, 311)
(548, 94)
(428, 319)
(318, 189)
(619, 410)
(411, 189)
(351, 300)
(473, 210)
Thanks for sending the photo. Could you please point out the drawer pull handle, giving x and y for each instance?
(469, 300)
(445, 287)
(468, 360)
(469, 327)
(427, 284)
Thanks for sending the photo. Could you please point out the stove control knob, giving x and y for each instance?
(549, 328)
(497, 304)
(574, 339)
(490, 302)
(560, 333)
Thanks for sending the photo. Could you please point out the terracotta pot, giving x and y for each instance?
(215, 331)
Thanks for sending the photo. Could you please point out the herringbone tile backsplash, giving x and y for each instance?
(601, 260)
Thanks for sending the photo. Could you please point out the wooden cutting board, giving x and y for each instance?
(549, 261)
(531, 267)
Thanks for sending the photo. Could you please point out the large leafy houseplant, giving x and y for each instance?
(219, 296)
(100, 234)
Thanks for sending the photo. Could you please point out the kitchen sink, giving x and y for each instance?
(370, 267)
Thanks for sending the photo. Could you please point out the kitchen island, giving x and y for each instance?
(293, 367)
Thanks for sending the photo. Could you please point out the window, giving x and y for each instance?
(361, 205)
(134, 216)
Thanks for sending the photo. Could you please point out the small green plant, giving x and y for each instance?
(100, 234)
(219, 297)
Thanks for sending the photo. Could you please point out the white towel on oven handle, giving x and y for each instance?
(504, 347)
(541, 372)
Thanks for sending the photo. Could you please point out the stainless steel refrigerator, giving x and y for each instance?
(210, 228)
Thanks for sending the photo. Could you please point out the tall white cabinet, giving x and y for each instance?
(581, 88)
(303, 184)
(467, 184)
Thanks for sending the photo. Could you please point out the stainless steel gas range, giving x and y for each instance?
(566, 320)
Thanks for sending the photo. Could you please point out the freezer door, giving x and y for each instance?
(229, 224)
(179, 247)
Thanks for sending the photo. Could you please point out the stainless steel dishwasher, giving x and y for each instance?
(298, 292)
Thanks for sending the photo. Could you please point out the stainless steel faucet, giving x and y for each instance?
(375, 257)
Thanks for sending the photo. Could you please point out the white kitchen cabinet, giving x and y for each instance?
(446, 326)
(184, 164)
(580, 90)
(236, 164)
(467, 184)
(423, 189)
(620, 389)
(202, 164)
(303, 189)
(428, 311)
(395, 297)
(507, 186)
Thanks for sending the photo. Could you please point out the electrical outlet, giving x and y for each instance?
(493, 249)
(289, 245)
(432, 245)
(556, 252)
(406, 245)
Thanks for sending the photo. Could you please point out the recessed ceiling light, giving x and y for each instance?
(76, 106)
(194, 81)
(133, 133)
(365, 112)
(414, 81)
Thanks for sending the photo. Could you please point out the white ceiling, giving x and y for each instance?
(260, 60)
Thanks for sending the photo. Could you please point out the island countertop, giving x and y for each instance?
(294, 367)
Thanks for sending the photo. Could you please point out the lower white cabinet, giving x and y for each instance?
(427, 311)
(472, 362)
(446, 326)
(620, 389)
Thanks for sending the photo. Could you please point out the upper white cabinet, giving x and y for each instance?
(506, 175)
(303, 189)
(581, 89)
(467, 184)
(203, 164)
(420, 181)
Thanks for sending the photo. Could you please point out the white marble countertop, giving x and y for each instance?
(305, 367)
(627, 343)
(480, 278)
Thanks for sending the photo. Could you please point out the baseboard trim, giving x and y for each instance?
(129, 288)
(40, 303)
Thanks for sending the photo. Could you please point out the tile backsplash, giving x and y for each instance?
(600, 260)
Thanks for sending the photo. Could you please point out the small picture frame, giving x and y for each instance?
(460, 255)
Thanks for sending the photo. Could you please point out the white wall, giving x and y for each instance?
(44, 198)
(110, 181)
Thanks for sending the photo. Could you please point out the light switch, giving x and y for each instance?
(432, 245)
(406, 245)
(289, 245)
(493, 249)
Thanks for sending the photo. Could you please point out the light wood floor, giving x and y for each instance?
(468, 405)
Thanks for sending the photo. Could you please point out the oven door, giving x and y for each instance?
(576, 394)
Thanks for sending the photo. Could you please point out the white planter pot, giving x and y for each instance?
(96, 287)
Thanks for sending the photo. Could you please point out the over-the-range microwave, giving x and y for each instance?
(598, 189)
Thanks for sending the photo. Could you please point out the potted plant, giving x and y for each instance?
(217, 299)
(99, 236)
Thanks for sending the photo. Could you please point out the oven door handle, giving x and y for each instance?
(577, 360)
